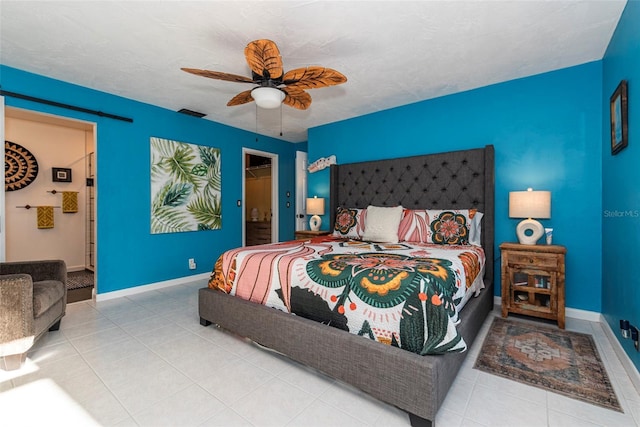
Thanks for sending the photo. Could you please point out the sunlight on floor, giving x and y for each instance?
(145, 360)
(28, 367)
(42, 402)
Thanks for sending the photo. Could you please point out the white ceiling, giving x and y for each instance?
(392, 52)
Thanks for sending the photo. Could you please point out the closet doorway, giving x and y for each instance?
(64, 150)
(260, 192)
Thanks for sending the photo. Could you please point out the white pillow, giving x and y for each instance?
(475, 232)
(381, 224)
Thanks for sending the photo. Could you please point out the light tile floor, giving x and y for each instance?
(144, 360)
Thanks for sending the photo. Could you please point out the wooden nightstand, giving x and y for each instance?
(533, 280)
(309, 234)
(257, 233)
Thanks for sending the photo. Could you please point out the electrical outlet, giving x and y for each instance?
(192, 264)
(627, 330)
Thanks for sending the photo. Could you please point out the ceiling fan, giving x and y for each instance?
(274, 85)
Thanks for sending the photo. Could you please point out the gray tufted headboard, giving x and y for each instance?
(454, 180)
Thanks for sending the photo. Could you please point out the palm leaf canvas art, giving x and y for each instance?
(185, 187)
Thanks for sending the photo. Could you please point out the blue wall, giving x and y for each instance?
(546, 130)
(128, 254)
(621, 184)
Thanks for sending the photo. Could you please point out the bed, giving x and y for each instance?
(415, 383)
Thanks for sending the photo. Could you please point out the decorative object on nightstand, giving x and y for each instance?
(533, 281)
(529, 204)
(315, 207)
(254, 214)
(309, 234)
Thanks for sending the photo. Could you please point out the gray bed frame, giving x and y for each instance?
(416, 384)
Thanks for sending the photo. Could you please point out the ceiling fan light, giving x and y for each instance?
(267, 97)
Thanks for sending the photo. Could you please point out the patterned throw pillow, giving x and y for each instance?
(349, 223)
(444, 227)
(414, 226)
(449, 228)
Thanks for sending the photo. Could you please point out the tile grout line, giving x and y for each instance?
(103, 383)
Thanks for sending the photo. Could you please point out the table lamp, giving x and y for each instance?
(315, 207)
(529, 204)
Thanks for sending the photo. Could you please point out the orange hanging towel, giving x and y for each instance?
(69, 201)
(45, 216)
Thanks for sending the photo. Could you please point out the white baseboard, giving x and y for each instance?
(75, 268)
(628, 365)
(151, 287)
(576, 313)
(593, 316)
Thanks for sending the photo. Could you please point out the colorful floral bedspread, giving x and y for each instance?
(404, 295)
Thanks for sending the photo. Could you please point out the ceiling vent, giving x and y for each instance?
(191, 113)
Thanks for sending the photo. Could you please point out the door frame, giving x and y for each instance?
(275, 214)
(60, 120)
(3, 235)
(301, 190)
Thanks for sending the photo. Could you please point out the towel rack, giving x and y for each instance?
(29, 207)
(56, 191)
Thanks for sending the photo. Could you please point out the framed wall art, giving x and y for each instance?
(618, 107)
(61, 175)
(186, 187)
(20, 167)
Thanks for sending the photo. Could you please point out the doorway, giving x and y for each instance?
(62, 148)
(260, 193)
(301, 190)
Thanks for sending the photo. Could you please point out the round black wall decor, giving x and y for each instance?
(20, 167)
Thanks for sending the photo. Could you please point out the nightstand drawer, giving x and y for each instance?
(530, 259)
(257, 233)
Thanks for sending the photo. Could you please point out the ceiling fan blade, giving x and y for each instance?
(264, 59)
(241, 98)
(218, 75)
(296, 98)
(313, 77)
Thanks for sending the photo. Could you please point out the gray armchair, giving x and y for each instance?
(33, 300)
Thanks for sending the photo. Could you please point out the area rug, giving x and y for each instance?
(79, 286)
(563, 362)
(79, 279)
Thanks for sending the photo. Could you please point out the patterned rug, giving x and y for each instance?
(552, 359)
(79, 279)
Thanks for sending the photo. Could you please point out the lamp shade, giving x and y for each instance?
(530, 204)
(267, 97)
(315, 207)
